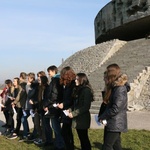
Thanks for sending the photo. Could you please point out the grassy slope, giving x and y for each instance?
(132, 140)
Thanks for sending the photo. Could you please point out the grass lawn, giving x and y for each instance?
(132, 140)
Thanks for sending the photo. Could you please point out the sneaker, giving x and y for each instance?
(37, 139)
(22, 139)
(31, 138)
(12, 136)
(39, 142)
(7, 132)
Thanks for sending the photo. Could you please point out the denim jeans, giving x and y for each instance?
(59, 141)
(24, 121)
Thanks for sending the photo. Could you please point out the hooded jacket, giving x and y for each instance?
(115, 114)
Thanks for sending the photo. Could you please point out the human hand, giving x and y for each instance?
(61, 105)
(70, 114)
(13, 105)
(2, 105)
(31, 102)
(46, 109)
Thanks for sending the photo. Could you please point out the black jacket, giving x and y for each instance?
(115, 114)
(55, 95)
(81, 110)
(67, 100)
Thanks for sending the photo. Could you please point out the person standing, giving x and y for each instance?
(12, 109)
(116, 111)
(18, 103)
(55, 97)
(4, 99)
(42, 122)
(7, 110)
(68, 81)
(31, 88)
(17, 90)
(80, 112)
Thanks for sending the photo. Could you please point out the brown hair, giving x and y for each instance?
(41, 73)
(113, 73)
(84, 82)
(67, 74)
(31, 75)
(23, 75)
(44, 83)
(18, 80)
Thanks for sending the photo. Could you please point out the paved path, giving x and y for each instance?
(136, 120)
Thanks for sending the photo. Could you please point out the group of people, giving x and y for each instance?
(63, 103)
(54, 107)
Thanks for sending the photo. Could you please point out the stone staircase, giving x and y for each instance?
(89, 59)
(133, 57)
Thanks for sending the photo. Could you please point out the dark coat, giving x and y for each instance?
(81, 114)
(31, 95)
(55, 95)
(23, 94)
(40, 103)
(67, 101)
(116, 112)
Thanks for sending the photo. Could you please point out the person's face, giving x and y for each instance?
(51, 73)
(77, 81)
(15, 83)
(30, 79)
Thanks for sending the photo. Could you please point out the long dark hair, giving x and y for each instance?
(44, 80)
(42, 87)
(84, 82)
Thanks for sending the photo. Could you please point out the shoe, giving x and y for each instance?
(48, 143)
(7, 132)
(39, 142)
(22, 139)
(37, 139)
(12, 136)
(31, 138)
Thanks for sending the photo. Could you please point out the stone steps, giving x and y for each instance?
(95, 106)
(132, 58)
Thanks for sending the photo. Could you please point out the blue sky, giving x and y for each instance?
(35, 34)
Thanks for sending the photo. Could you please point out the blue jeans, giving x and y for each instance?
(24, 121)
(59, 141)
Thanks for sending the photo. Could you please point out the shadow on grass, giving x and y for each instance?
(97, 145)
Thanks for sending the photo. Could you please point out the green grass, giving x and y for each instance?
(132, 140)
